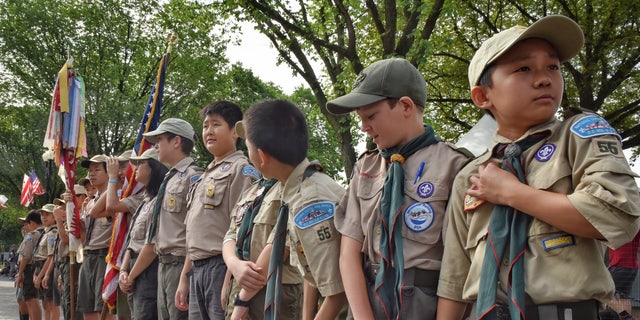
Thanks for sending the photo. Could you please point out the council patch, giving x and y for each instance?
(314, 214)
(419, 216)
(593, 126)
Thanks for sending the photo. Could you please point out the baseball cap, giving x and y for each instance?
(22, 219)
(150, 153)
(33, 215)
(48, 208)
(124, 157)
(83, 182)
(240, 130)
(58, 201)
(95, 159)
(388, 78)
(563, 33)
(172, 125)
(80, 189)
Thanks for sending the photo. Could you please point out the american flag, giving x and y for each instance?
(30, 186)
(150, 121)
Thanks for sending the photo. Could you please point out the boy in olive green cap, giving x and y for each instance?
(527, 221)
(393, 212)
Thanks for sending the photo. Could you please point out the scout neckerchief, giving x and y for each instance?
(507, 225)
(153, 228)
(245, 231)
(389, 280)
(92, 222)
(276, 261)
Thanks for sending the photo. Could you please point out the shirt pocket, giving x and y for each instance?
(549, 241)
(423, 210)
(215, 187)
(175, 195)
(546, 177)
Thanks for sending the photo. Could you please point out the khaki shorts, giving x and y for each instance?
(90, 283)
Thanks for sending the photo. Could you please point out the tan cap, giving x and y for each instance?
(22, 219)
(79, 189)
(150, 153)
(95, 159)
(124, 157)
(83, 182)
(48, 208)
(58, 201)
(172, 125)
(388, 78)
(240, 130)
(563, 33)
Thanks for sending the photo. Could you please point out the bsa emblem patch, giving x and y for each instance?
(182, 174)
(225, 167)
(425, 190)
(471, 203)
(146, 207)
(593, 126)
(210, 190)
(172, 202)
(560, 241)
(251, 172)
(419, 216)
(359, 80)
(545, 152)
(195, 178)
(242, 211)
(314, 214)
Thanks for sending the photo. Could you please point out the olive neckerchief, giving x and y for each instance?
(245, 231)
(390, 276)
(507, 225)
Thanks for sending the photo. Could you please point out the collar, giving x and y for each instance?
(183, 164)
(229, 158)
(292, 184)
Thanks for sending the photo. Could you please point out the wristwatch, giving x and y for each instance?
(238, 302)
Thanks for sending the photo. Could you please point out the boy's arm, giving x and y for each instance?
(144, 260)
(331, 306)
(450, 309)
(47, 271)
(248, 274)
(353, 278)
(262, 264)
(182, 293)
(99, 209)
(498, 186)
(310, 297)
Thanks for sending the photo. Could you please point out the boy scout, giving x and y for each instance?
(44, 263)
(577, 194)
(24, 278)
(277, 139)
(97, 234)
(209, 212)
(174, 139)
(405, 183)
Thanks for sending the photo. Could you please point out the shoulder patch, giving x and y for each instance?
(593, 126)
(314, 214)
(28, 236)
(250, 171)
(195, 178)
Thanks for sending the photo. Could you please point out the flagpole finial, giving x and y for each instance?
(171, 39)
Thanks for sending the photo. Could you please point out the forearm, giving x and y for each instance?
(263, 263)
(50, 265)
(450, 309)
(555, 209)
(353, 278)
(125, 261)
(229, 255)
(331, 306)
(99, 209)
(309, 301)
(144, 260)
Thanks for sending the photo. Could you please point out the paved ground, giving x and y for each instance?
(8, 304)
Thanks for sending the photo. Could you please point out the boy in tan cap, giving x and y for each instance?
(44, 279)
(392, 216)
(527, 221)
(174, 140)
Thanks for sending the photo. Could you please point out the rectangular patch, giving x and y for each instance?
(560, 241)
(605, 147)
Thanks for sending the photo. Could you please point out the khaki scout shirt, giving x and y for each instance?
(101, 233)
(559, 267)
(63, 249)
(139, 228)
(315, 242)
(170, 238)
(423, 210)
(214, 196)
(46, 246)
(264, 223)
(29, 244)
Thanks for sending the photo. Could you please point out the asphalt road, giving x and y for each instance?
(8, 304)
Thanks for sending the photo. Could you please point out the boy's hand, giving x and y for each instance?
(182, 294)
(113, 168)
(492, 184)
(248, 276)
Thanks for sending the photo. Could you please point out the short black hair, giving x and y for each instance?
(279, 128)
(229, 111)
(186, 144)
(33, 215)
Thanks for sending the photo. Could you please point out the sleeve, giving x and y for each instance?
(244, 177)
(51, 242)
(605, 191)
(132, 202)
(348, 212)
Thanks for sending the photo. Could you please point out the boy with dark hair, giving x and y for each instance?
(24, 278)
(174, 141)
(527, 221)
(392, 217)
(209, 212)
(44, 279)
(277, 139)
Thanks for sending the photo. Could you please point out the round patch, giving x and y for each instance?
(225, 167)
(425, 190)
(418, 216)
(545, 152)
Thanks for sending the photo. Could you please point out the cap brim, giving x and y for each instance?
(349, 102)
(240, 130)
(562, 32)
(152, 136)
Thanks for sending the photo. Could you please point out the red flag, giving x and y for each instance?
(150, 121)
(27, 192)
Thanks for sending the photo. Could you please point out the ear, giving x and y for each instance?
(408, 106)
(264, 157)
(480, 98)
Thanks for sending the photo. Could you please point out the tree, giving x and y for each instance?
(440, 38)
